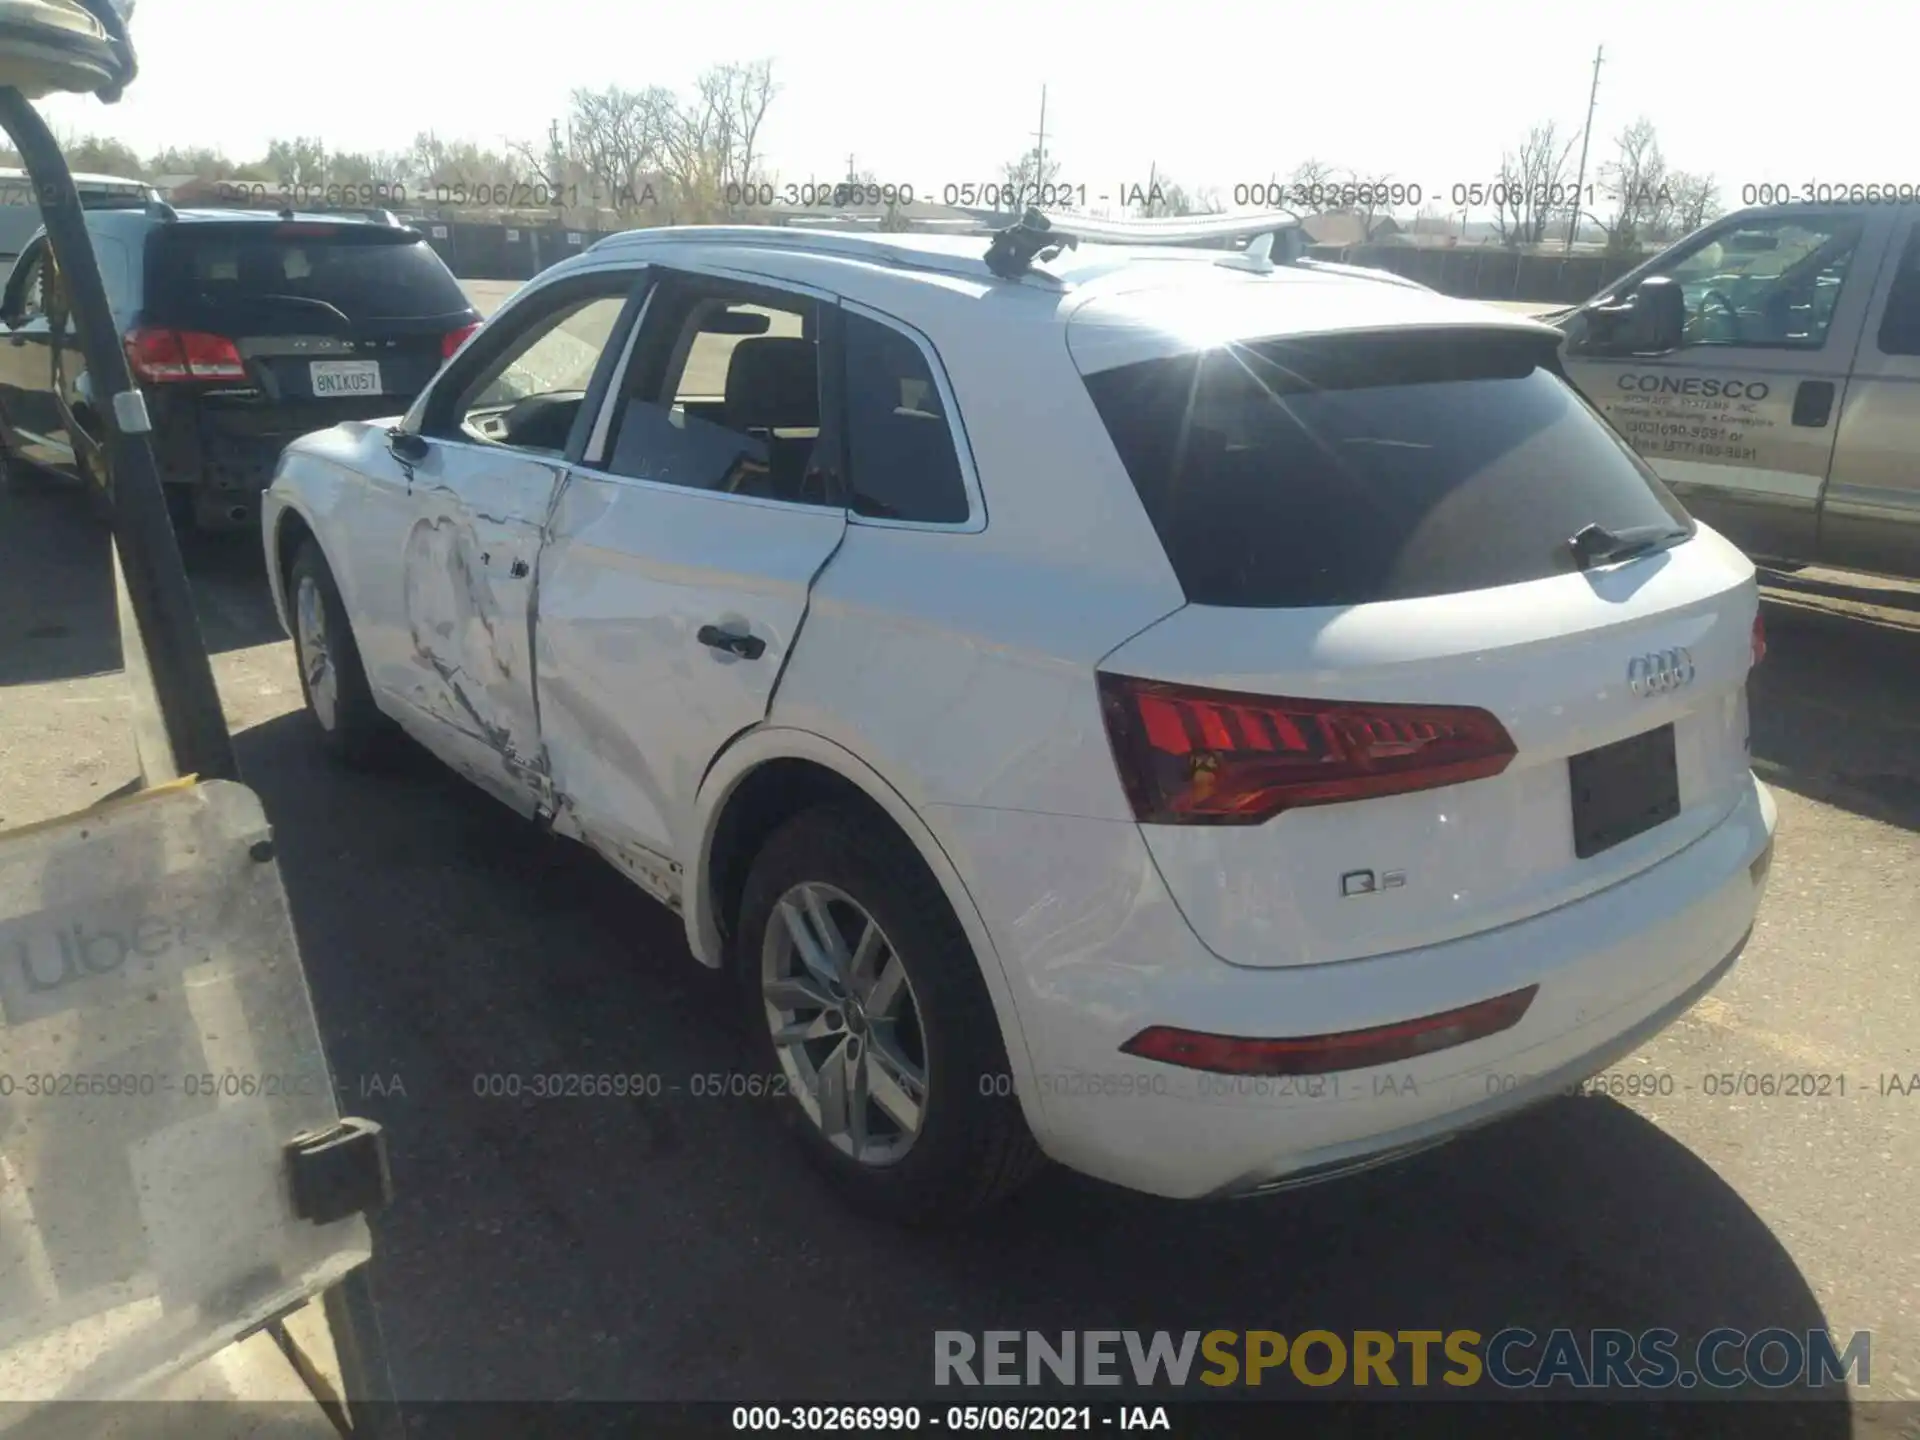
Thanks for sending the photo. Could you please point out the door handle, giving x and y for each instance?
(747, 647)
(1813, 403)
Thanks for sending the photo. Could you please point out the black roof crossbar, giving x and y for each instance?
(1031, 237)
(1038, 236)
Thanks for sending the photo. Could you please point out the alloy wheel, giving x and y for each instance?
(845, 1022)
(316, 661)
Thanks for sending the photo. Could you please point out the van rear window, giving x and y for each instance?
(364, 276)
(1353, 469)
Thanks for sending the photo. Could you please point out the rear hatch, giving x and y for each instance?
(1400, 706)
(285, 327)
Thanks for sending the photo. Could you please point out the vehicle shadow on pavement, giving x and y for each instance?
(674, 1247)
(1835, 706)
(57, 617)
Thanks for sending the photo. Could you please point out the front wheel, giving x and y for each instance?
(866, 1001)
(331, 677)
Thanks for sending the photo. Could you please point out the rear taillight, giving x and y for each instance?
(454, 339)
(163, 356)
(1329, 1054)
(1759, 638)
(1213, 757)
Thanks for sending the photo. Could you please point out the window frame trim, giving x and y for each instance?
(435, 403)
(976, 520)
(1664, 263)
(1875, 325)
(659, 274)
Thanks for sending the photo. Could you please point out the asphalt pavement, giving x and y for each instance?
(673, 1248)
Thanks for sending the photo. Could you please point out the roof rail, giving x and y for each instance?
(872, 246)
(1040, 236)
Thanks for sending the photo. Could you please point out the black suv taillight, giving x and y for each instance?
(164, 356)
(1189, 756)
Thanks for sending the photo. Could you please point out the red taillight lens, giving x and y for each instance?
(163, 356)
(1326, 1054)
(454, 339)
(1215, 757)
(1759, 638)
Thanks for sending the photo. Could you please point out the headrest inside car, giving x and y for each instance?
(773, 383)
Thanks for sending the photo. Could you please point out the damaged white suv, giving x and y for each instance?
(1212, 719)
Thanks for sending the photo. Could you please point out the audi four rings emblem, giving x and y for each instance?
(1660, 672)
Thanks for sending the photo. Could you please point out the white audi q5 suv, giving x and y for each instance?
(1213, 719)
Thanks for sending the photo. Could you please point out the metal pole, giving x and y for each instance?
(166, 630)
(1040, 149)
(1586, 134)
(361, 1349)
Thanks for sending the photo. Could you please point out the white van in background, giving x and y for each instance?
(20, 207)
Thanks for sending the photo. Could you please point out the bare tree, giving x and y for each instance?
(619, 139)
(1028, 178)
(98, 155)
(1163, 196)
(1532, 185)
(713, 149)
(1694, 199)
(461, 173)
(1636, 187)
(1311, 184)
(1367, 196)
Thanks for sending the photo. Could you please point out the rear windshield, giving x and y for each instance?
(1365, 468)
(365, 277)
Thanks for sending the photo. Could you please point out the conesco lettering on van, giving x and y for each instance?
(1695, 385)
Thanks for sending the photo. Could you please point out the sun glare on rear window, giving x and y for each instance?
(1357, 469)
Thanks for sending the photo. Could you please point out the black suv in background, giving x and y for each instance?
(245, 330)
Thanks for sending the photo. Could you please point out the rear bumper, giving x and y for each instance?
(1093, 959)
(226, 455)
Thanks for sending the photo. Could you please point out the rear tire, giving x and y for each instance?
(907, 1028)
(332, 679)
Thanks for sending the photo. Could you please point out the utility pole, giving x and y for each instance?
(1586, 135)
(1040, 148)
(850, 170)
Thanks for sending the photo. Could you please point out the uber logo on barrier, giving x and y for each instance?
(45, 957)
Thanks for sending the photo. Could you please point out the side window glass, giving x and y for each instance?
(901, 462)
(527, 399)
(724, 394)
(1900, 325)
(1773, 283)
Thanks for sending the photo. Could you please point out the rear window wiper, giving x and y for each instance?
(271, 301)
(1597, 545)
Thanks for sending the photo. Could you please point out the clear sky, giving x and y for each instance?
(935, 92)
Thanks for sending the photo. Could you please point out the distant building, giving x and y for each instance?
(1349, 227)
(922, 216)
